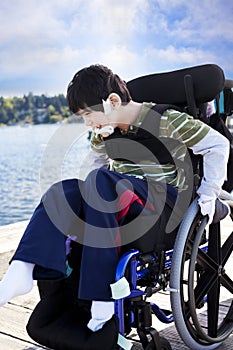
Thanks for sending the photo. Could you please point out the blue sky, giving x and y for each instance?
(43, 43)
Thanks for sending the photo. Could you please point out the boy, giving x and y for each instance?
(115, 196)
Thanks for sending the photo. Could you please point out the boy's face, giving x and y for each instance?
(103, 122)
(96, 119)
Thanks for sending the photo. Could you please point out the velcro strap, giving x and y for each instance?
(124, 343)
(120, 289)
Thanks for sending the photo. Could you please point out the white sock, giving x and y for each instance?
(101, 312)
(18, 280)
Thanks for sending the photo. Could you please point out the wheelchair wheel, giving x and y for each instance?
(164, 345)
(201, 276)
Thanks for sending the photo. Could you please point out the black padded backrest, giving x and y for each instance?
(168, 87)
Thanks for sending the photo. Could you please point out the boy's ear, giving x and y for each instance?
(115, 100)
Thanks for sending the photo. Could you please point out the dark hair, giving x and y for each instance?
(92, 84)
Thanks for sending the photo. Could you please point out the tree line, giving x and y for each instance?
(33, 109)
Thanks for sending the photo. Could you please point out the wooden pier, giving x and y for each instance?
(15, 314)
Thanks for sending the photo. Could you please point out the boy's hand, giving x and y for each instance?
(207, 208)
(215, 209)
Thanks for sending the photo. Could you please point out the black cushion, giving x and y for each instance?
(168, 87)
(59, 321)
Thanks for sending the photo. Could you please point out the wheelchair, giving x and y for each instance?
(192, 264)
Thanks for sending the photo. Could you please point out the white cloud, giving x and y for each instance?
(202, 21)
(47, 41)
(181, 56)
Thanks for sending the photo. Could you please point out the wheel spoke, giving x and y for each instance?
(208, 278)
(227, 249)
(227, 283)
(203, 287)
(214, 243)
(206, 262)
(213, 308)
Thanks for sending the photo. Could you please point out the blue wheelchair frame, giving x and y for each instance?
(130, 261)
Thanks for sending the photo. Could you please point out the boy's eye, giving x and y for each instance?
(87, 112)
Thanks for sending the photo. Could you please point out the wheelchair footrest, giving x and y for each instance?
(151, 340)
(163, 315)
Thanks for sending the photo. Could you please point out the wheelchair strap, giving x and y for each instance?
(120, 289)
(145, 143)
(124, 343)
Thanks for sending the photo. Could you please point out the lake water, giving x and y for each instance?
(34, 157)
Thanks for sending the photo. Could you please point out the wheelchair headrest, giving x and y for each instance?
(208, 81)
(228, 84)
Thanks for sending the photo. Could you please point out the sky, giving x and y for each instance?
(43, 43)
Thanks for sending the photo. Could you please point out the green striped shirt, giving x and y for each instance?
(173, 124)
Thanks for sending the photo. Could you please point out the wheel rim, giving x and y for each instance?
(202, 280)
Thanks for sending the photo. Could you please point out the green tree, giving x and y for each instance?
(34, 109)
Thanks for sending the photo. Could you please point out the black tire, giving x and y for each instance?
(199, 274)
(164, 345)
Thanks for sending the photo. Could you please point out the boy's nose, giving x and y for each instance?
(88, 122)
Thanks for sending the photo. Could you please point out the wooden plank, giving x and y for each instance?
(14, 315)
(9, 343)
(170, 333)
(10, 235)
(13, 320)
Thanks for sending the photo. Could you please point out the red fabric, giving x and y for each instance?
(126, 200)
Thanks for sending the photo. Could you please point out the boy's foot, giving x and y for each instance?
(101, 312)
(17, 281)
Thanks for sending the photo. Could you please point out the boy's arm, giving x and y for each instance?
(203, 140)
(94, 160)
(214, 148)
(96, 157)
